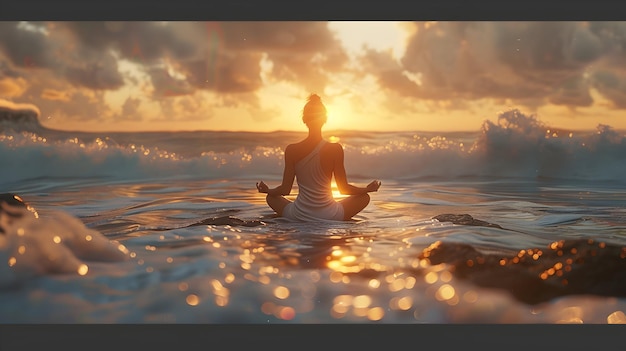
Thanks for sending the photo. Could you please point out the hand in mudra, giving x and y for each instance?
(262, 187)
(373, 186)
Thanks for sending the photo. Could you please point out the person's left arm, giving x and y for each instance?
(339, 171)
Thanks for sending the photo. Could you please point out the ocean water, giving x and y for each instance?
(515, 222)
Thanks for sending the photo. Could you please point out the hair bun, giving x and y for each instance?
(314, 98)
(313, 109)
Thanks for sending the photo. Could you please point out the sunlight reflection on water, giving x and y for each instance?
(283, 272)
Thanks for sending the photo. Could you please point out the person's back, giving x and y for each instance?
(315, 198)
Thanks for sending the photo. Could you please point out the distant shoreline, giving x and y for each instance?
(25, 117)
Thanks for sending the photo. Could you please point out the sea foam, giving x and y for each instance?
(516, 146)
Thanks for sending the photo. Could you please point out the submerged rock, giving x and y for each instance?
(228, 220)
(536, 275)
(464, 219)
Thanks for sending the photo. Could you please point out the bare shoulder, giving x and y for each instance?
(333, 147)
(290, 151)
(332, 151)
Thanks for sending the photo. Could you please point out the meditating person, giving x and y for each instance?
(313, 162)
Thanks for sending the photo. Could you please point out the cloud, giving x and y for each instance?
(231, 73)
(6, 71)
(62, 99)
(66, 68)
(573, 92)
(218, 56)
(25, 47)
(100, 74)
(184, 108)
(84, 106)
(41, 46)
(529, 63)
(389, 73)
(130, 108)
(612, 86)
(51, 94)
(12, 87)
(57, 60)
(164, 85)
(304, 53)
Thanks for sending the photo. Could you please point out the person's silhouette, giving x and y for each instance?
(313, 162)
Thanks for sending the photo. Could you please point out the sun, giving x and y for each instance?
(339, 116)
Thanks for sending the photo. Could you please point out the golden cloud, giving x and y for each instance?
(12, 87)
(50, 94)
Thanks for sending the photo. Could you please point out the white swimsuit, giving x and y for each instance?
(315, 198)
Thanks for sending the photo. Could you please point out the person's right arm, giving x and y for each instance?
(341, 178)
(289, 174)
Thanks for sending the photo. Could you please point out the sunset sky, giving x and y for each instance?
(255, 76)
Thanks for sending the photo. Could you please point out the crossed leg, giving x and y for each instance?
(277, 203)
(353, 205)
